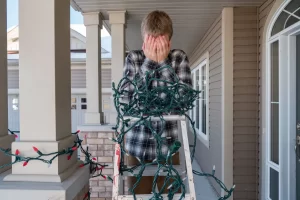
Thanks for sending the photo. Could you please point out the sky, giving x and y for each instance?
(13, 14)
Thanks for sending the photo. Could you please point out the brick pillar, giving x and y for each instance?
(102, 148)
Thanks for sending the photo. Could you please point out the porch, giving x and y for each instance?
(221, 38)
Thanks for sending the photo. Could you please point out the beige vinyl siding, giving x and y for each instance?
(106, 78)
(13, 79)
(78, 78)
(245, 103)
(264, 10)
(211, 42)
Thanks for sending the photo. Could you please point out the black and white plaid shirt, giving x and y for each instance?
(139, 141)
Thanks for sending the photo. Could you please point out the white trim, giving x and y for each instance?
(13, 91)
(204, 138)
(227, 96)
(292, 114)
(291, 14)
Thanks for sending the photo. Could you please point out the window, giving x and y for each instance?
(73, 103)
(274, 139)
(15, 104)
(83, 104)
(200, 114)
(288, 17)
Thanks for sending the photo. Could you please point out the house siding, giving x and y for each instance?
(212, 43)
(264, 10)
(78, 78)
(245, 103)
(13, 79)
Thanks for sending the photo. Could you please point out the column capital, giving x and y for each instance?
(117, 17)
(92, 18)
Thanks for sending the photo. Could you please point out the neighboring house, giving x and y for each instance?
(78, 102)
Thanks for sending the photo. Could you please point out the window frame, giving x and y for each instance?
(203, 62)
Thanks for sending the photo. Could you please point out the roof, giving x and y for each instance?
(78, 31)
(191, 19)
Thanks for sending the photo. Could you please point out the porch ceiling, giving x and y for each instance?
(191, 18)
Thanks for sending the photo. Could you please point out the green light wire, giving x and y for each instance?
(171, 96)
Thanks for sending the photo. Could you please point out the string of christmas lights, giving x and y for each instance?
(136, 98)
(95, 168)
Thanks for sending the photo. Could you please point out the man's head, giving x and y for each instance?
(157, 23)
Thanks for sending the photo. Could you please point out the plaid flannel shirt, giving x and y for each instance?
(139, 141)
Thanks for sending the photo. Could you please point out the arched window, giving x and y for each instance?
(289, 16)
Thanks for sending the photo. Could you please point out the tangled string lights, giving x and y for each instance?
(136, 98)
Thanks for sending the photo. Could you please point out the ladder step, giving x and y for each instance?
(151, 170)
(148, 196)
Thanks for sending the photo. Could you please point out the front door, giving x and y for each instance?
(14, 113)
(298, 118)
(78, 107)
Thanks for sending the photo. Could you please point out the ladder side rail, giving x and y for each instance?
(187, 154)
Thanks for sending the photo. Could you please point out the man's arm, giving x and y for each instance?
(183, 69)
(128, 72)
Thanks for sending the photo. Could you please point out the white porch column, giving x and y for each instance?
(45, 90)
(93, 23)
(5, 139)
(117, 19)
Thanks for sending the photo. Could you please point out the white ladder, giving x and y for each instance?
(184, 153)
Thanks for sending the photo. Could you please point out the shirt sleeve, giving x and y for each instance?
(183, 71)
(129, 73)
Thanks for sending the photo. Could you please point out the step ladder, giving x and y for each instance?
(184, 154)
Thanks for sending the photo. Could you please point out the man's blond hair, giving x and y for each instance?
(157, 23)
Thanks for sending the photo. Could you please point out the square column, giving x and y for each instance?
(117, 19)
(45, 91)
(5, 139)
(93, 23)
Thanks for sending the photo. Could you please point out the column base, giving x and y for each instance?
(73, 188)
(43, 178)
(113, 117)
(5, 143)
(94, 118)
(36, 170)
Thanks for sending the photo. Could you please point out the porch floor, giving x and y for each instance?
(204, 190)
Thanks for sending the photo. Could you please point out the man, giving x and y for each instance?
(157, 32)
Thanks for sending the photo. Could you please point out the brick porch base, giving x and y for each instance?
(103, 150)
